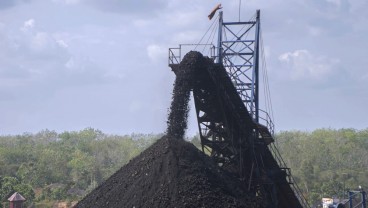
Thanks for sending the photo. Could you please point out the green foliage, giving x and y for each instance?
(9, 185)
(326, 162)
(55, 163)
(25, 190)
(53, 192)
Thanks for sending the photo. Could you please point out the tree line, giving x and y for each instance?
(326, 162)
(50, 166)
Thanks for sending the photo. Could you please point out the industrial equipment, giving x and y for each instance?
(233, 129)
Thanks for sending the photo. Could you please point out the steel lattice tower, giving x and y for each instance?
(239, 54)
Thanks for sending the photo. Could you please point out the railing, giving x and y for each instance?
(265, 119)
(294, 186)
(175, 54)
(362, 203)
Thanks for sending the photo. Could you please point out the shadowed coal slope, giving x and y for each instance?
(170, 173)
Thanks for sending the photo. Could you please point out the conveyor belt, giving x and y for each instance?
(229, 134)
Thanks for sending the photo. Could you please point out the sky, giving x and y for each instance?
(66, 65)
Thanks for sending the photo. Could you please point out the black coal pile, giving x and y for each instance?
(172, 172)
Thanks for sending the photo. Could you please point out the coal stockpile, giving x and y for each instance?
(172, 172)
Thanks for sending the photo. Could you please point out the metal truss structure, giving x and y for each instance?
(239, 54)
(234, 131)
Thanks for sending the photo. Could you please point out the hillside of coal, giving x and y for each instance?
(170, 173)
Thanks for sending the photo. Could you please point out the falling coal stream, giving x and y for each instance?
(178, 113)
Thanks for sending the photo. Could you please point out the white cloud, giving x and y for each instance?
(37, 64)
(72, 1)
(156, 52)
(184, 19)
(302, 64)
(40, 41)
(142, 7)
(185, 37)
(70, 64)
(81, 65)
(142, 23)
(62, 43)
(27, 25)
(32, 59)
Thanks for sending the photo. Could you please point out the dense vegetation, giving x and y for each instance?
(63, 166)
(326, 162)
(50, 166)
